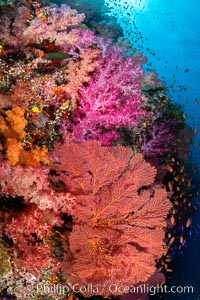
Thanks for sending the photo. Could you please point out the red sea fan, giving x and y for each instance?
(119, 217)
(81, 164)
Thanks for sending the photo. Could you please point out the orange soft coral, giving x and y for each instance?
(12, 127)
(77, 73)
(14, 150)
(14, 123)
(34, 157)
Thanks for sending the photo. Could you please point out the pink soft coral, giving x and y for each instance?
(28, 232)
(32, 184)
(58, 21)
(31, 227)
(11, 29)
(60, 28)
(112, 100)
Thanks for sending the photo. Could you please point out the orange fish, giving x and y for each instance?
(172, 219)
(189, 183)
(170, 186)
(188, 223)
(170, 168)
(171, 241)
(42, 16)
(40, 53)
(27, 14)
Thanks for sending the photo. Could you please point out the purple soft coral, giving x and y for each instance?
(158, 138)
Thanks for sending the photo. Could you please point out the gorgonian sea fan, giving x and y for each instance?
(119, 217)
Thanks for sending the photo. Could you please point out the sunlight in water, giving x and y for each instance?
(139, 4)
(127, 7)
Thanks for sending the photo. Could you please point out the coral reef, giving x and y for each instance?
(95, 183)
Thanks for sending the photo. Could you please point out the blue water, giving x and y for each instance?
(170, 38)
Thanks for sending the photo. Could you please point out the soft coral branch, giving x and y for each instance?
(110, 101)
(32, 184)
(28, 232)
(78, 72)
(159, 138)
